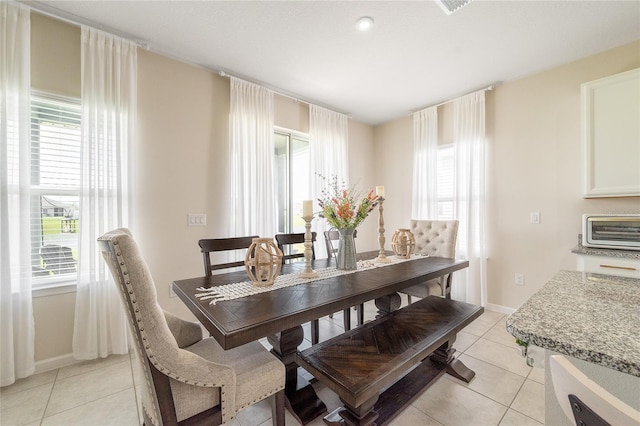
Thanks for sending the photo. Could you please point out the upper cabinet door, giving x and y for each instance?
(611, 132)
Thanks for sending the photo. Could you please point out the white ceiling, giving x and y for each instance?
(413, 57)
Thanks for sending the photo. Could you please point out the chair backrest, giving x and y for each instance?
(579, 396)
(333, 235)
(148, 325)
(293, 239)
(435, 237)
(58, 259)
(211, 245)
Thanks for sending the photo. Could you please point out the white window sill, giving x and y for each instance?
(53, 289)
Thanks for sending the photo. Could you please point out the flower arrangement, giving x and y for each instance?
(345, 207)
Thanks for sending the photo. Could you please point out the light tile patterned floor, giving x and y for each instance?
(504, 392)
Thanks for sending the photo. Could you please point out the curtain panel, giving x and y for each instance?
(470, 285)
(17, 332)
(328, 155)
(252, 192)
(425, 167)
(109, 70)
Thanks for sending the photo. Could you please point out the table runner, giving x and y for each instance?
(245, 288)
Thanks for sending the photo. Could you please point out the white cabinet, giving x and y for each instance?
(611, 135)
(623, 267)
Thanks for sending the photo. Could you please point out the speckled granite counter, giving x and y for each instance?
(591, 317)
(592, 251)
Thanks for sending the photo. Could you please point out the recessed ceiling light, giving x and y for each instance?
(364, 23)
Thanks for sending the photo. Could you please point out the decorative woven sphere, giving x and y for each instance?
(403, 243)
(263, 262)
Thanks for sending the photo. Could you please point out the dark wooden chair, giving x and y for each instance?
(331, 238)
(286, 241)
(58, 259)
(211, 245)
(189, 379)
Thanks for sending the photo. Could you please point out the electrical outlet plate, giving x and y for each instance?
(519, 279)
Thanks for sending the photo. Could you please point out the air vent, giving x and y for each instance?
(450, 6)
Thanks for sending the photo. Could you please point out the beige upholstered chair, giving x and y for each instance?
(434, 238)
(188, 379)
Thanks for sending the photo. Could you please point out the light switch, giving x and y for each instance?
(534, 217)
(197, 219)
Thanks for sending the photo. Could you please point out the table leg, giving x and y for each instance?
(300, 397)
(388, 304)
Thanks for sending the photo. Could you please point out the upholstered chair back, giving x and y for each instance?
(161, 357)
(435, 237)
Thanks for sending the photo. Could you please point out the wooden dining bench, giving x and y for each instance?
(381, 367)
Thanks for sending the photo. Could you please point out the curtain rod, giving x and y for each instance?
(280, 92)
(70, 18)
(490, 87)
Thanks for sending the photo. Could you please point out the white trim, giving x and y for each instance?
(55, 362)
(500, 308)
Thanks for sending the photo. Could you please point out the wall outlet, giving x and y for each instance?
(519, 279)
(171, 292)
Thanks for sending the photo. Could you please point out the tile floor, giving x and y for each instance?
(504, 392)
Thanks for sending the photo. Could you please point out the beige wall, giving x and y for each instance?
(534, 164)
(180, 164)
(181, 167)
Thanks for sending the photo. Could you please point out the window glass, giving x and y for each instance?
(55, 181)
(291, 152)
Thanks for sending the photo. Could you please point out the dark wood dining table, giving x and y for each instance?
(279, 314)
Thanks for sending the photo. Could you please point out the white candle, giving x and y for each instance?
(380, 191)
(307, 208)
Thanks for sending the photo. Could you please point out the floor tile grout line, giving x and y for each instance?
(46, 405)
(88, 402)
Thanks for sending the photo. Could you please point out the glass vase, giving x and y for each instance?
(346, 256)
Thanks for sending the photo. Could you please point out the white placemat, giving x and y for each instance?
(245, 288)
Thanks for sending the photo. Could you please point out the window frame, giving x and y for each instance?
(64, 283)
(304, 137)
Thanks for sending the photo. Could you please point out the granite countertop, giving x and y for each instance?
(592, 317)
(593, 251)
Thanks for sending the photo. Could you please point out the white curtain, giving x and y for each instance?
(470, 285)
(253, 195)
(425, 171)
(16, 311)
(109, 67)
(328, 155)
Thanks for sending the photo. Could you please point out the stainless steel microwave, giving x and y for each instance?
(616, 231)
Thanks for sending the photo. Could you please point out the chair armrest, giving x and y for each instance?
(185, 332)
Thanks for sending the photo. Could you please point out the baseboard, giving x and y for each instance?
(500, 308)
(55, 362)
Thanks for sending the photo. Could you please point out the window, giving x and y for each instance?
(292, 178)
(446, 182)
(55, 182)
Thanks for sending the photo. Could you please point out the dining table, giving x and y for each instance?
(278, 315)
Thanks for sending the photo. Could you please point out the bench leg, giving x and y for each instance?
(364, 415)
(455, 367)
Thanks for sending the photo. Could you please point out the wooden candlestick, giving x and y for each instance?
(382, 257)
(308, 253)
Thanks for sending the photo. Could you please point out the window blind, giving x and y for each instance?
(55, 183)
(446, 182)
